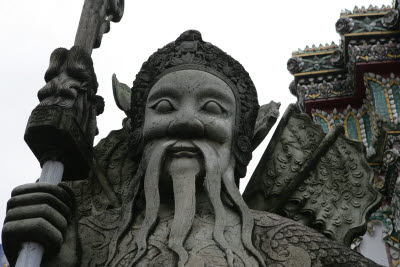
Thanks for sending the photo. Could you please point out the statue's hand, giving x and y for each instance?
(38, 212)
(71, 84)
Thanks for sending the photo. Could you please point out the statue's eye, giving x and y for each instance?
(213, 107)
(163, 106)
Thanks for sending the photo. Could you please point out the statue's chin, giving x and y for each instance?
(183, 165)
(180, 171)
(183, 159)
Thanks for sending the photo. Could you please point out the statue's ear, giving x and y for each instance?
(122, 95)
(266, 118)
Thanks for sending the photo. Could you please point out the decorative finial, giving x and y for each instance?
(190, 36)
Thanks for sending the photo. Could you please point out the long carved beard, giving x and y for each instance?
(184, 186)
(183, 173)
(152, 195)
(150, 168)
(233, 193)
(215, 170)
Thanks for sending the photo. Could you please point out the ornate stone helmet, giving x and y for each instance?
(189, 51)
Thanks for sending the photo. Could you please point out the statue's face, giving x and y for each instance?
(188, 134)
(190, 105)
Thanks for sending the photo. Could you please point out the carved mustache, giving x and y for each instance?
(186, 148)
(185, 128)
(176, 148)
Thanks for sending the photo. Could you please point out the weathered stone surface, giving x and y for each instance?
(163, 190)
(321, 180)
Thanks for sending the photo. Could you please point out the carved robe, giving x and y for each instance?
(281, 241)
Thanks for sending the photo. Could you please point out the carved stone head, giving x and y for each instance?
(193, 112)
(187, 59)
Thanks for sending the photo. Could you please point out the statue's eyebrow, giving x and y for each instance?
(164, 91)
(210, 92)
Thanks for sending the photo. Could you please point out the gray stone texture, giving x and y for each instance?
(163, 190)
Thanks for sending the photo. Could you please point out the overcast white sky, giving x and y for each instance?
(259, 34)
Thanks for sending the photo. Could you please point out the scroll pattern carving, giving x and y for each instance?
(319, 180)
(283, 240)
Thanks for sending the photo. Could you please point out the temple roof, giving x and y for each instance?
(331, 78)
(367, 35)
(371, 10)
(315, 49)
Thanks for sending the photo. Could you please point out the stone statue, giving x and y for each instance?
(163, 190)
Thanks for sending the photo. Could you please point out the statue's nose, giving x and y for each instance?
(186, 127)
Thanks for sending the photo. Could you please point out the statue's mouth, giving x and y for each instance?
(184, 149)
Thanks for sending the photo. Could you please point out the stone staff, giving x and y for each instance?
(62, 127)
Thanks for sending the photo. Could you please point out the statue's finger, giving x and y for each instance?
(32, 230)
(55, 190)
(38, 211)
(37, 199)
